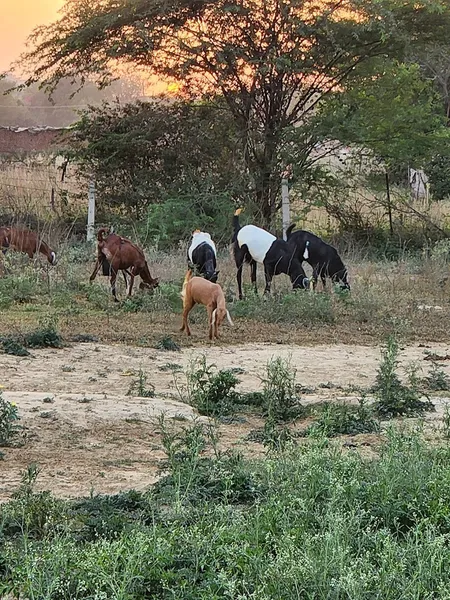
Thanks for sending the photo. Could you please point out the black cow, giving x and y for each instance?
(323, 258)
(254, 245)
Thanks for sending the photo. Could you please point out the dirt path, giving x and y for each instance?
(87, 434)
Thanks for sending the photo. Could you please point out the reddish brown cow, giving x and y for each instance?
(114, 254)
(25, 240)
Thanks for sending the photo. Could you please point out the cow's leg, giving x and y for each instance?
(113, 285)
(253, 267)
(187, 307)
(239, 258)
(98, 264)
(269, 272)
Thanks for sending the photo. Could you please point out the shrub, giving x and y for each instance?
(9, 415)
(45, 336)
(281, 402)
(393, 397)
(167, 343)
(437, 379)
(340, 418)
(211, 393)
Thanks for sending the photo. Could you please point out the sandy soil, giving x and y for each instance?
(87, 435)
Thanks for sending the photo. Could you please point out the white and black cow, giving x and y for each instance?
(323, 258)
(202, 255)
(254, 245)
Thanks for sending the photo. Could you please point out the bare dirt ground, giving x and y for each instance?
(87, 435)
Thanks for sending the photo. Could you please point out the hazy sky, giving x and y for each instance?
(18, 18)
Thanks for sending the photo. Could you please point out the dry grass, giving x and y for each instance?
(410, 297)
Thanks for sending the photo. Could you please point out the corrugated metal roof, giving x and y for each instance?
(34, 129)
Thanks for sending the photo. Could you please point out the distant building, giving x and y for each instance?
(31, 140)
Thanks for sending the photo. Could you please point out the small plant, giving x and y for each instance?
(393, 397)
(11, 345)
(140, 387)
(446, 421)
(167, 343)
(172, 367)
(281, 402)
(341, 418)
(9, 415)
(437, 379)
(212, 394)
(45, 336)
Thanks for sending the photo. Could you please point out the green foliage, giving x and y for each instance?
(45, 336)
(9, 415)
(393, 397)
(312, 518)
(396, 114)
(437, 380)
(438, 172)
(281, 402)
(211, 393)
(341, 418)
(18, 289)
(140, 387)
(11, 345)
(175, 163)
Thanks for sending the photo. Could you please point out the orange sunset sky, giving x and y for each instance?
(17, 19)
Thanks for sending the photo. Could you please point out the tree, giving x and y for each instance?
(271, 60)
(175, 163)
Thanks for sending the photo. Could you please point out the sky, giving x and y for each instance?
(18, 19)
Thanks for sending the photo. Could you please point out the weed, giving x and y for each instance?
(45, 336)
(340, 418)
(167, 343)
(67, 368)
(140, 387)
(9, 415)
(446, 421)
(281, 402)
(212, 394)
(393, 397)
(437, 379)
(11, 345)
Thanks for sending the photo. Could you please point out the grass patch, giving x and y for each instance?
(217, 526)
(294, 307)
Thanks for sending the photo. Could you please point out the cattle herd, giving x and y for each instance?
(251, 245)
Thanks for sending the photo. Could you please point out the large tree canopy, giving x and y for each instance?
(271, 60)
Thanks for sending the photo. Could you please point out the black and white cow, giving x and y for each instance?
(323, 257)
(202, 255)
(254, 245)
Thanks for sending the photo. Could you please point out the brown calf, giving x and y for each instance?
(197, 290)
(114, 254)
(25, 240)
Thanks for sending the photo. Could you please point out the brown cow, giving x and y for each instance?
(25, 240)
(114, 254)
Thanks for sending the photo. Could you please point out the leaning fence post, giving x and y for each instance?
(91, 211)
(285, 210)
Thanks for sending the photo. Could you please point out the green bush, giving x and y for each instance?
(340, 418)
(211, 393)
(9, 415)
(392, 396)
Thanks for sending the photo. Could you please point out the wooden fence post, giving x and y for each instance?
(91, 211)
